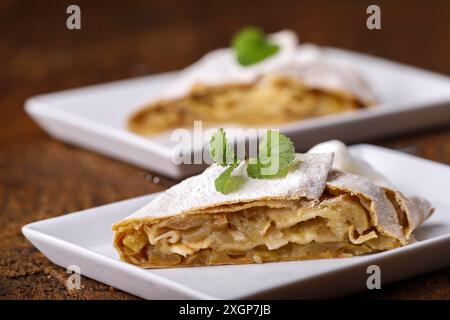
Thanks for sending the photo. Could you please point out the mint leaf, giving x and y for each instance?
(219, 150)
(252, 46)
(276, 155)
(223, 155)
(226, 183)
(253, 168)
(275, 158)
(276, 147)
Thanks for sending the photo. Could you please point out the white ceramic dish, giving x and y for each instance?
(85, 239)
(95, 117)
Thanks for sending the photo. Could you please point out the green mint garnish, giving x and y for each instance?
(276, 155)
(223, 155)
(220, 151)
(275, 158)
(226, 183)
(252, 46)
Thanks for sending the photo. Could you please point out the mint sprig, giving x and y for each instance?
(224, 156)
(219, 149)
(226, 183)
(276, 154)
(275, 157)
(252, 46)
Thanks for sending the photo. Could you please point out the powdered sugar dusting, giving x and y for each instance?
(306, 179)
(306, 62)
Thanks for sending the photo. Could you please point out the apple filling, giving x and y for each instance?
(339, 226)
(271, 100)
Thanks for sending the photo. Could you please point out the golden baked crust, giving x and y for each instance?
(271, 100)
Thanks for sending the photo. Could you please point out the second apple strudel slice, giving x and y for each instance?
(299, 82)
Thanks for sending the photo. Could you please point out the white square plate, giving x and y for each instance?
(95, 117)
(85, 239)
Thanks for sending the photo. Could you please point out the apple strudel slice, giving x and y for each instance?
(271, 100)
(295, 83)
(313, 212)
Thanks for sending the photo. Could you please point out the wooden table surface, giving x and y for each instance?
(41, 177)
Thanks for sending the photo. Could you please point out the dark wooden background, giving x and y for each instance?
(40, 177)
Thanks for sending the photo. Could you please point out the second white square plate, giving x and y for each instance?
(95, 117)
(85, 239)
